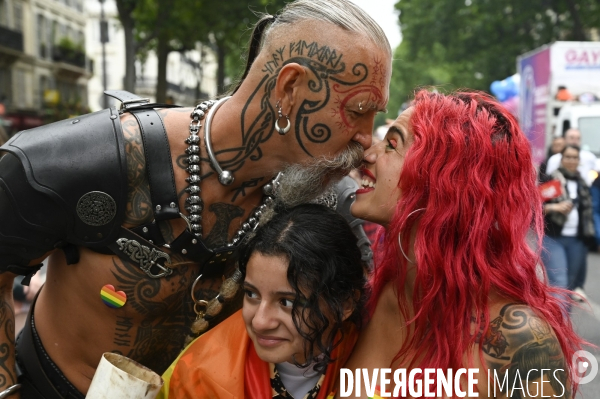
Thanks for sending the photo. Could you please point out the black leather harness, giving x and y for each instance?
(65, 185)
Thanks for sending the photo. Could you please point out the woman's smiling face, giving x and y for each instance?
(267, 310)
(379, 193)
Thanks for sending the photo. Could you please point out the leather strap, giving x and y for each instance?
(159, 166)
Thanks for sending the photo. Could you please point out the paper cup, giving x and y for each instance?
(118, 377)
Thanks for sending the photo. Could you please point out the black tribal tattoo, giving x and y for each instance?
(325, 66)
(7, 323)
(139, 204)
(225, 214)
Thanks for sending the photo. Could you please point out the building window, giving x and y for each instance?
(20, 89)
(18, 10)
(3, 13)
(5, 86)
(43, 50)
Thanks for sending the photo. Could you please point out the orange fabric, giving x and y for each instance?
(213, 365)
(223, 364)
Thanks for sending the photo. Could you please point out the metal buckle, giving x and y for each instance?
(131, 103)
(145, 257)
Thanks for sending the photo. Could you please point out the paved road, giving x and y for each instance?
(587, 322)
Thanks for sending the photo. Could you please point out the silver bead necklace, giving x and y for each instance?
(194, 203)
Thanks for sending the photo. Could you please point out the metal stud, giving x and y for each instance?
(145, 229)
(193, 179)
(193, 169)
(193, 208)
(193, 149)
(173, 205)
(184, 251)
(268, 189)
(192, 140)
(113, 117)
(193, 189)
(194, 241)
(158, 207)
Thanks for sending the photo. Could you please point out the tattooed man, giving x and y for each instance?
(133, 207)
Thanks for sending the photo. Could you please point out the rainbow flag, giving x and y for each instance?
(377, 394)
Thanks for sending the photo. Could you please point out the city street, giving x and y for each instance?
(587, 322)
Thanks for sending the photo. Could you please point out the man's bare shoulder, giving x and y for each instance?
(523, 354)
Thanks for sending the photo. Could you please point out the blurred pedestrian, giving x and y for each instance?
(569, 224)
(557, 145)
(587, 160)
(23, 296)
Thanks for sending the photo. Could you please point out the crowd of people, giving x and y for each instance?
(205, 244)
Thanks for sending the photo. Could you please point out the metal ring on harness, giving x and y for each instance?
(198, 302)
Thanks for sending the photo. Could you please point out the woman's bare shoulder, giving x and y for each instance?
(522, 353)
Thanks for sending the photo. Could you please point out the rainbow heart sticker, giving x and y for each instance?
(111, 298)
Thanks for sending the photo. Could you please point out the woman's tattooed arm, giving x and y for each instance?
(523, 356)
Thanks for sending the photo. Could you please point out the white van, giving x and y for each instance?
(586, 118)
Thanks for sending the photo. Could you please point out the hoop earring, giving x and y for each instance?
(286, 129)
(399, 237)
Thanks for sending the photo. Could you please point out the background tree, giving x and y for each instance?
(164, 26)
(230, 31)
(471, 43)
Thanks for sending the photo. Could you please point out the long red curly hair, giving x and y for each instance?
(470, 167)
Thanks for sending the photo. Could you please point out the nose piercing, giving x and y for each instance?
(360, 108)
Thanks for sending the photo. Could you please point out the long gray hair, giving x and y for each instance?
(342, 13)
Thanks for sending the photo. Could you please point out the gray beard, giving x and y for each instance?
(303, 183)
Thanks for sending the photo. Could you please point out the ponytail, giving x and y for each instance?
(254, 45)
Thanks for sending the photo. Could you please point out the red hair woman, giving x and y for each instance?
(457, 282)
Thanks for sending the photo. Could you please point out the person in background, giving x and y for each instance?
(558, 143)
(595, 192)
(456, 281)
(569, 222)
(587, 160)
(304, 295)
(23, 295)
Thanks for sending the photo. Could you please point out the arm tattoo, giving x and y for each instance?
(139, 204)
(7, 323)
(520, 348)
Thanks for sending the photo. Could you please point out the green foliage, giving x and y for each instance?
(471, 43)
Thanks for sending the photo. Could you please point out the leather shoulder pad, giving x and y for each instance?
(79, 165)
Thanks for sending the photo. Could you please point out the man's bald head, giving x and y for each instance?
(573, 137)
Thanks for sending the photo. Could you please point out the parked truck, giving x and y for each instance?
(560, 89)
